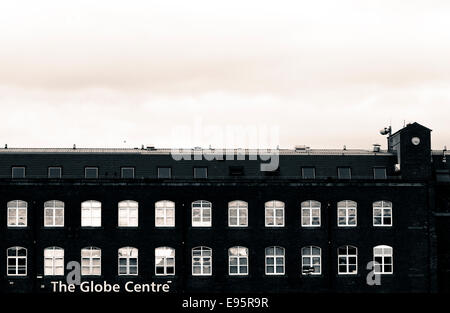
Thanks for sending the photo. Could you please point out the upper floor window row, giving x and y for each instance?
(92, 172)
(238, 213)
(128, 172)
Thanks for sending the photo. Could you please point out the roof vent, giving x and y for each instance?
(151, 148)
(376, 147)
(6, 146)
(301, 148)
(74, 146)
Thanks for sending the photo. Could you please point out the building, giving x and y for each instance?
(313, 225)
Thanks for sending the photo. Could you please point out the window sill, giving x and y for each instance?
(18, 227)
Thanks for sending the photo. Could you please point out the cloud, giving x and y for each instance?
(328, 73)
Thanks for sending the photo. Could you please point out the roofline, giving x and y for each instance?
(409, 125)
(167, 151)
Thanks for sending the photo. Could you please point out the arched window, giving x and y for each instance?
(54, 213)
(310, 213)
(346, 213)
(238, 261)
(164, 261)
(91, 261)
(165, 213)
(128, 261)
(16, 261)
(201, 213)
(311, 260)
(238, 214)
(17, 213)
(347, 260)
(53, 261)
(91, 214)
(382, 213)
(201, 261)
(383, 258)
(275, 260)
(128, 213)
(274, 213)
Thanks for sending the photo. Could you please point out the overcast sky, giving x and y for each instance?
(126, 73)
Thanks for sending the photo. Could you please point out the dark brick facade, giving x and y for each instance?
(419, 235)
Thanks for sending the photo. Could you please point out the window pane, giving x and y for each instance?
(164, 172)
(54, 172)
(91, 172)
(127, 172)
(18, 172)
(379, 173)
(308, 172)
(200, 172)
(344, 173)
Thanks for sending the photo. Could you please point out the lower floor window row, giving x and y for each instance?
(202, 258)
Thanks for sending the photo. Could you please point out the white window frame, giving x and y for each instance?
(241, 208)
(127, 254)
(307, 209)
(54, 167)
(274, 257)
(311, 257)
(271, 208)
(87, 211)
(346, 257)
(126, 168)
(386, 252)
(163, 257)
(203, 221)
(345, 206)
(241, 259)
(163, 210)
(89, 168)
(53, 261)
(14, 205)
(128, 210)
(384, 205)
(24, 172)
(202, 259)
(16, 267)
(51, 206)
(87, 262)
